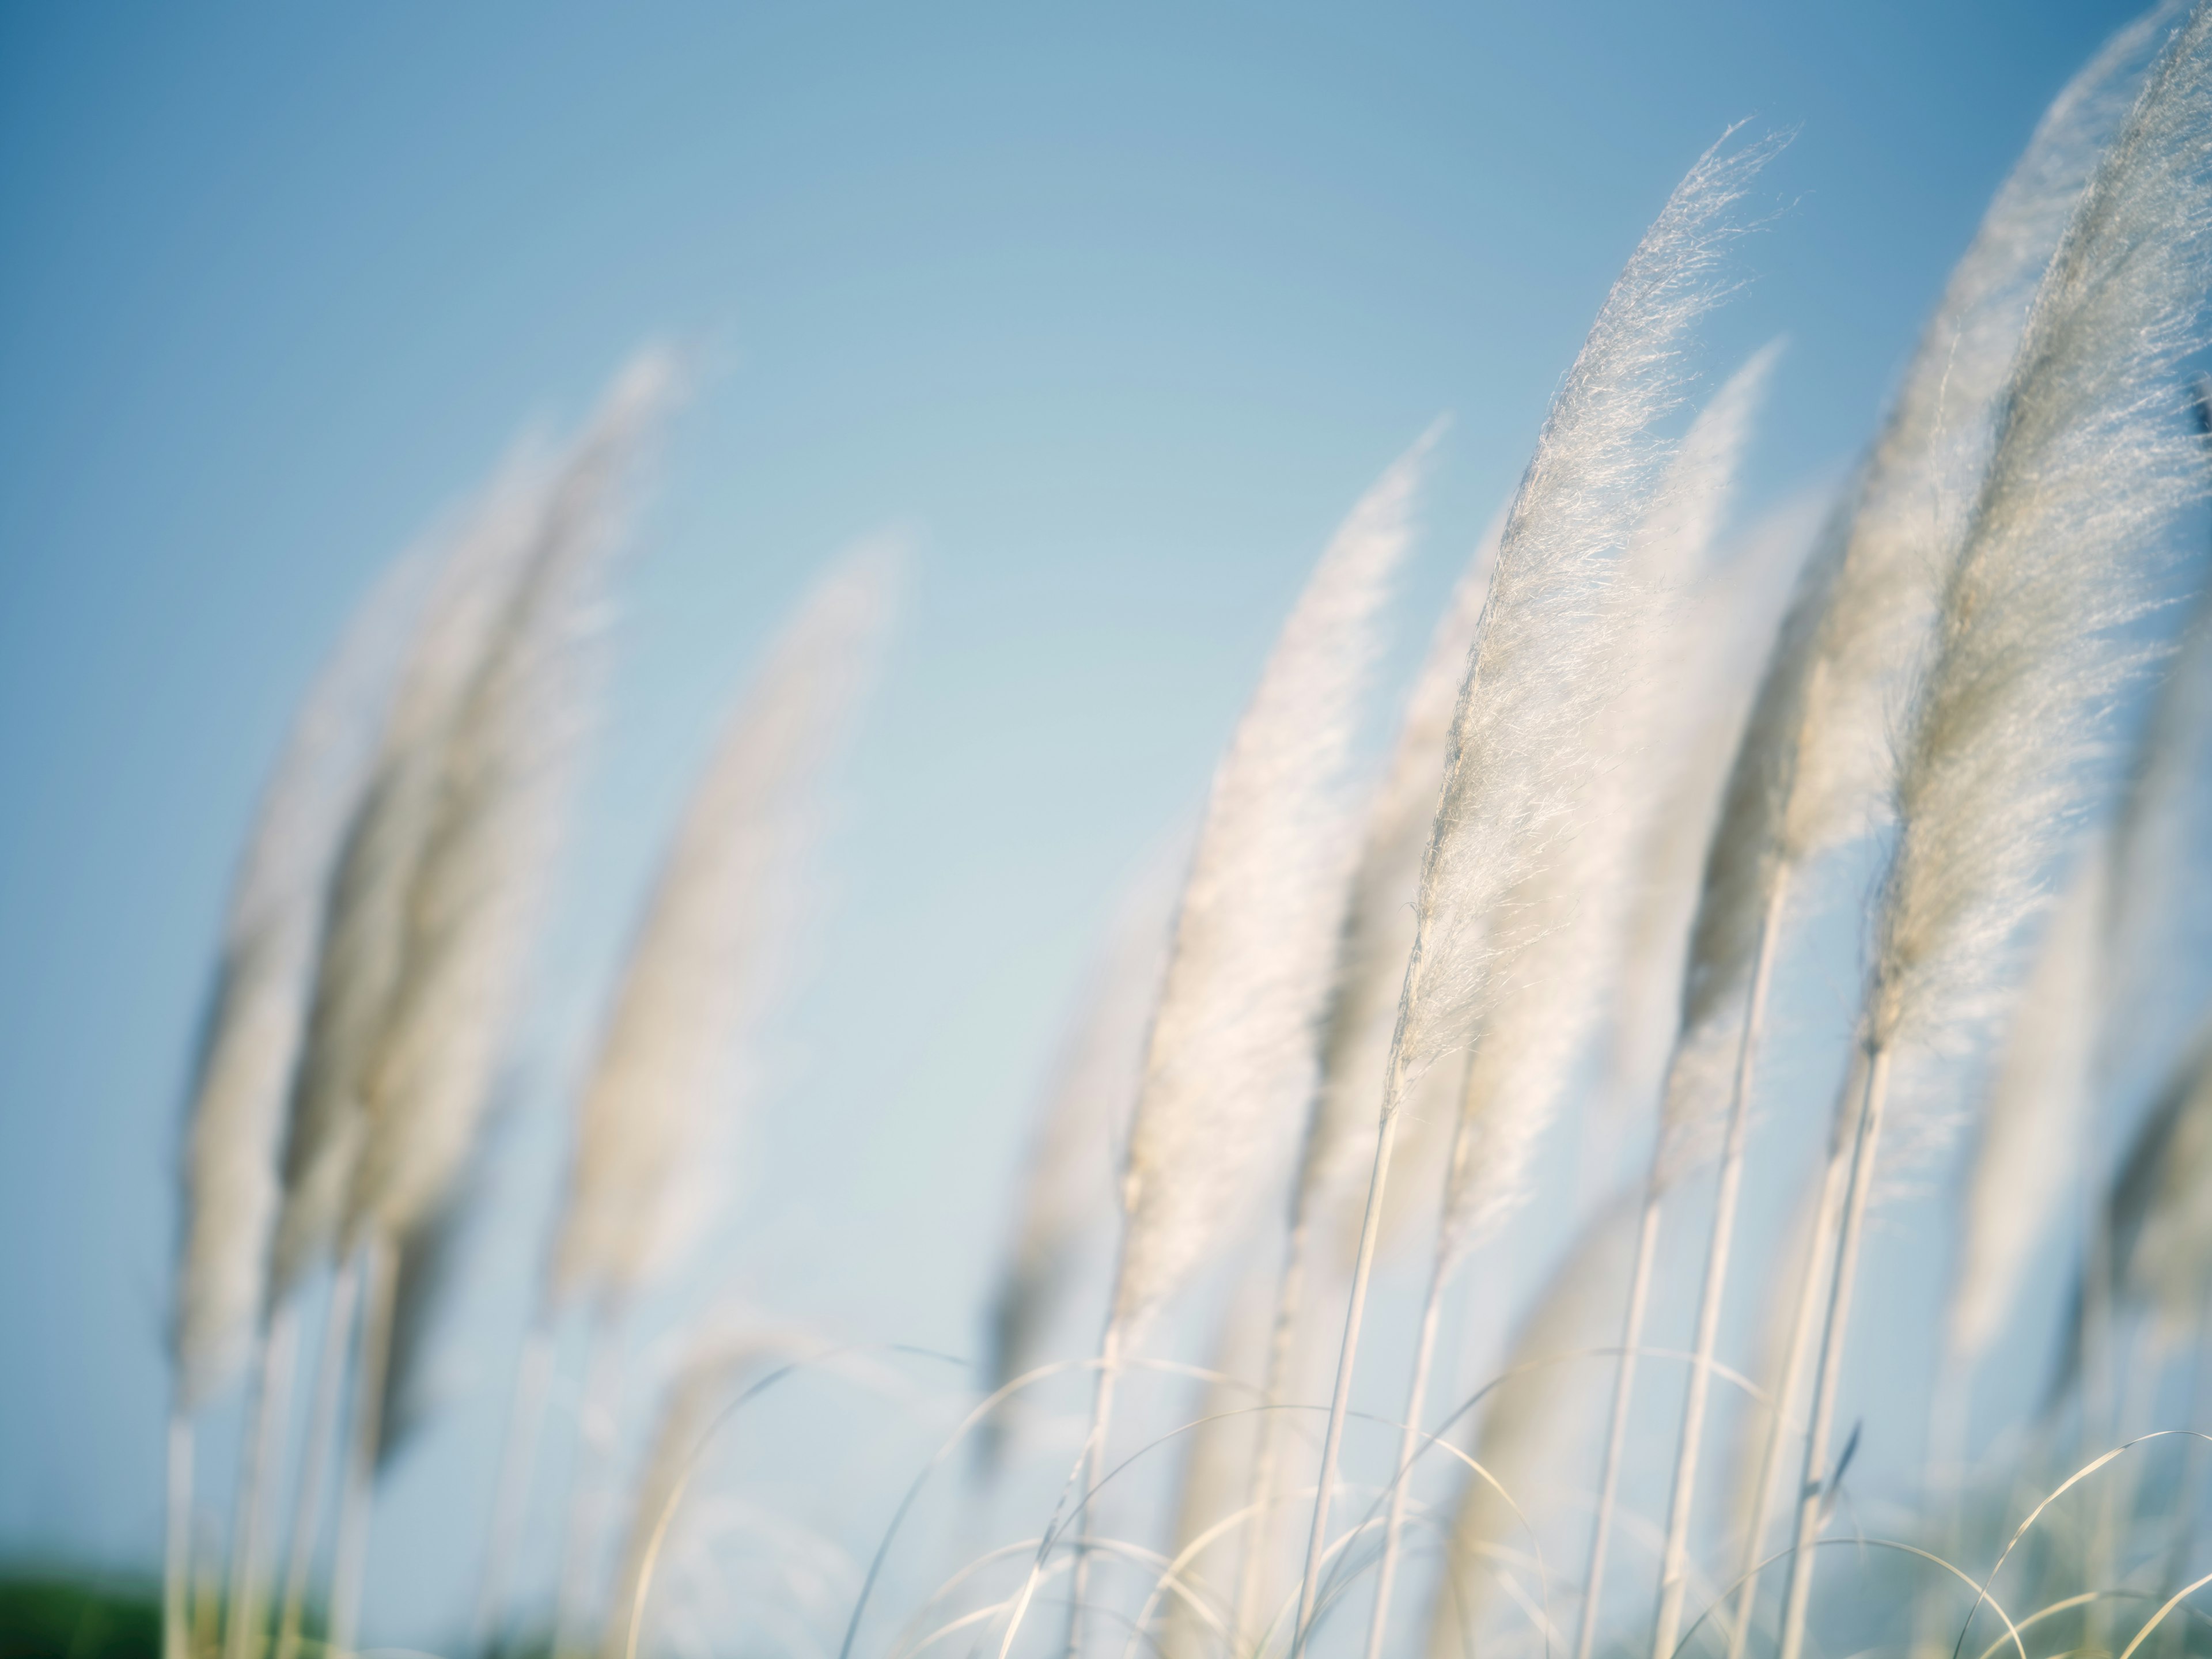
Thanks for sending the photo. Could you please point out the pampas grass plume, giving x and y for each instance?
(1070, 1184)
(1230, 1061)
(2030, 1141)
(709, 963)
(251, 1037)
(487, 852)
(2091, 464)
(372, 906)
(1815, 764)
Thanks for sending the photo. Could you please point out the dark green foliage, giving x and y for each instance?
(57, 1615)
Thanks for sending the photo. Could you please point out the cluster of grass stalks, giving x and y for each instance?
(1328, 1064)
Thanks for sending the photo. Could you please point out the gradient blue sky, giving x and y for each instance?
(1119, 308)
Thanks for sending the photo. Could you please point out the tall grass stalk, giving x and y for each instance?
(1370, 962)
(1518, 763)
(1813, 1489)
(1802, 1302)
(1528, 1415)
(249, 1042)
(679, 1055)
(268, 1411)
(1673, 1560)
(1230, 1061)
(318, 1450)
(1068, 1188)
(176, 1562)
(379, 1275)
(1653, 794)
(1813, 762)
(1616, 1424)
(457, 841)
(1574, 915)
(2059, 555)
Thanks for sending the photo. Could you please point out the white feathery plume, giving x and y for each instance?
(1723, 627)
(2059, 555)
(1071, 1187)
(1578, 911)
(1376, 937)
(677, 1061)
(1528, 1419)
(1376, 934)
(2159, 927)
(1816, 754)
(540, 515)
(2161, 1245)
(251, 1035)
(1813, 767)
(2028, 1149)
(250, 1043)
(1231, 1060)
(709, 965)
(361, 959)
(1379, 918)
(1522, 758)
(434, 891)
(487, 848)
(1552, 769)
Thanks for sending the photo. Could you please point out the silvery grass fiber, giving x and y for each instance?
(1492, 950)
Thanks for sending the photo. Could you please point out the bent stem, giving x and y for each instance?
(315, 1456)
(176, 1545)
(1812, 1487)
(1094, 1471)
(1674, 1555)
(525, 1417)
(1362, 1270)
(357, 1493)
(1409, 1447)
(1616, 1432)
(272, 1405)
(1786, 1393)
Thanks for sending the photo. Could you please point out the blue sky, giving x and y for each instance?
(1118, 309)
